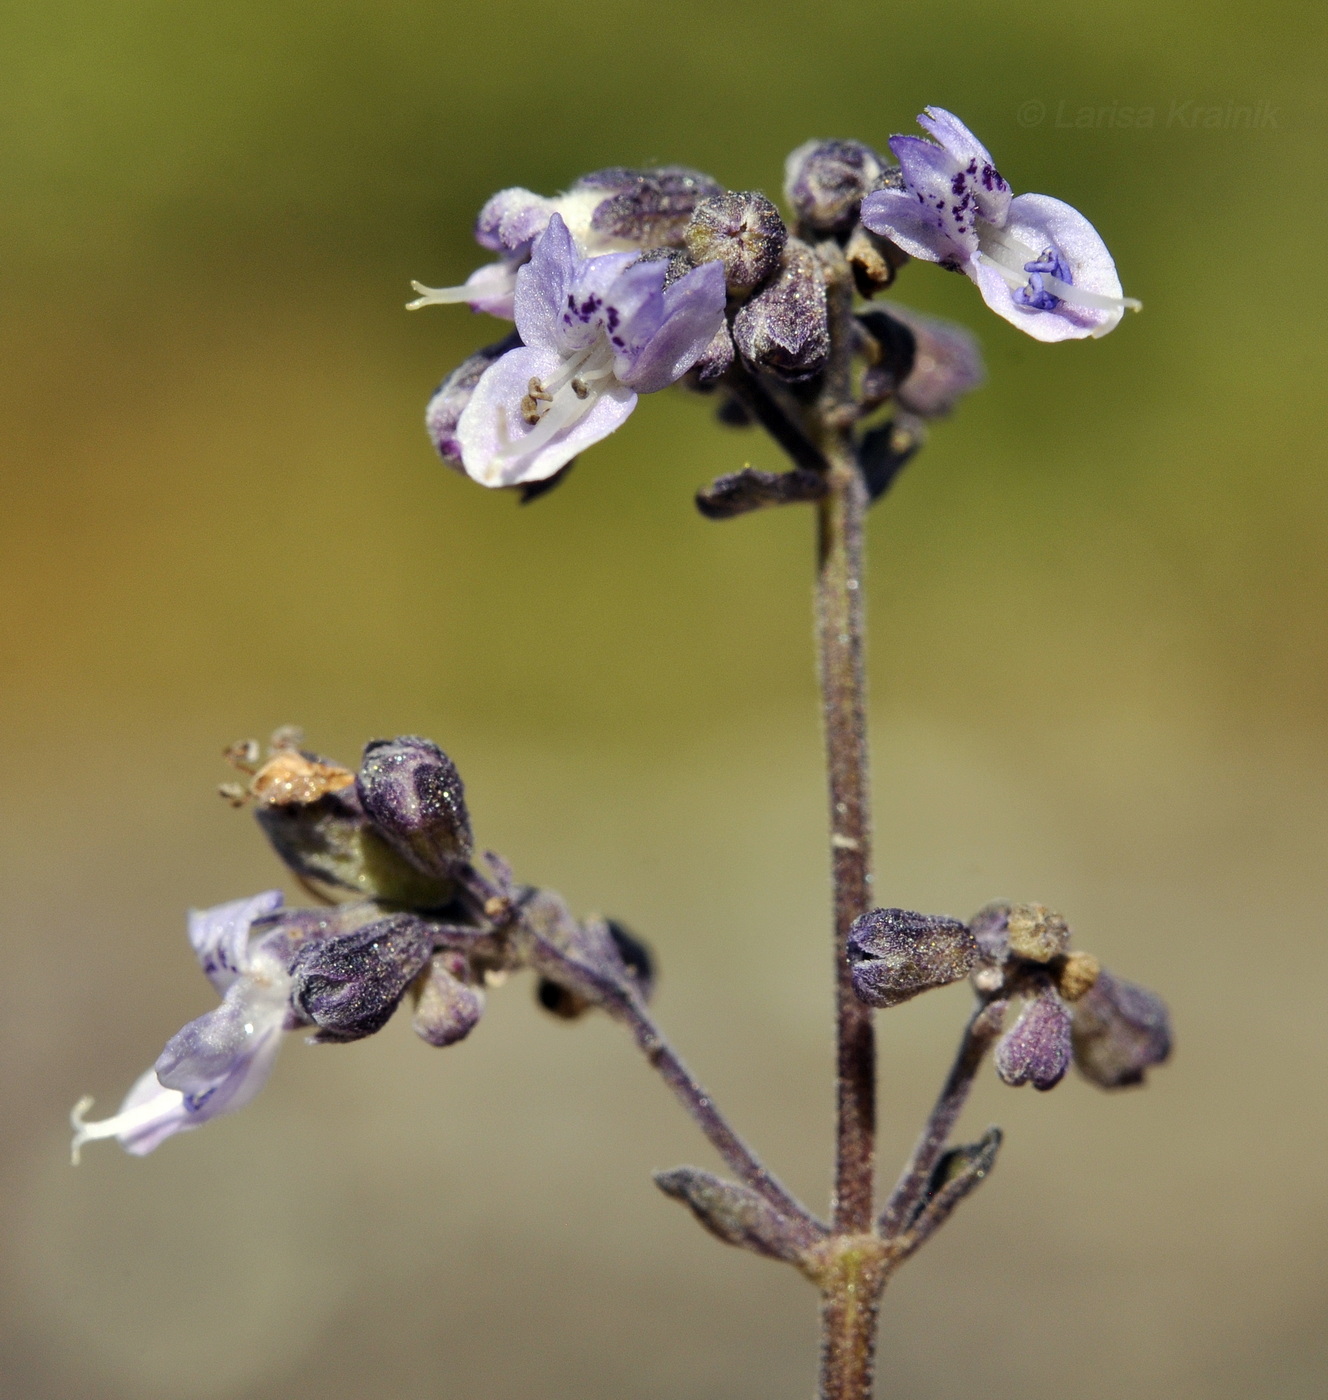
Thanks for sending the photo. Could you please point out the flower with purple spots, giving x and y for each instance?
(597, 332)
(217, 1063)
(1037, 262)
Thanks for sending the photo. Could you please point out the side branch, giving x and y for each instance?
(907, 1197)
(738, 1157)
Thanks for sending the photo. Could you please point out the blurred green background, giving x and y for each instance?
(1099, 670)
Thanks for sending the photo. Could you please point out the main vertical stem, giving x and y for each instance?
(840, 634)
(851, 1292)
(851, 1287)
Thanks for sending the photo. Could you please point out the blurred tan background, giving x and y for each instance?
(1099, 669)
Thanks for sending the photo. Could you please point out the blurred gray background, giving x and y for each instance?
(1099, 666)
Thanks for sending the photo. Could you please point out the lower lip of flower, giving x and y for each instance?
(1011, 258)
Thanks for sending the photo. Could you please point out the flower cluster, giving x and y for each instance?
(634, 280)
(388, 850)
(1073, 1010)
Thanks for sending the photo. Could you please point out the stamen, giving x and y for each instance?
(565, 410)
(1076, 296)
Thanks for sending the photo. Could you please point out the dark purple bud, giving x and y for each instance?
(883, 454)
(741, 230)
(637, 963)
(449, 1006)
(1120, 1031)
(947, 364)
(581, 962)
(825, 181)
(736, 1214)
(453, 394)
(1036, 1049)
(649, 208)
(988, 927)
(350, 985)
(738, 493)
(895, 954)
(559, 1001)
(636, 957)
(533, 490)
(414, 795)
(890, 348)
(961, 1169)
(310, 811)
(785, 327)
(715, 359)
(957, 1173)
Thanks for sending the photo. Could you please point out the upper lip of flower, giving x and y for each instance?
(596, 332)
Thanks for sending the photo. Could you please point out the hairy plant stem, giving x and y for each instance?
(850, 1295)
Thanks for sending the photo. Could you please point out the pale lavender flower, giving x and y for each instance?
(596, 332)
(1037, 262)
(608, 211)
(217, 1063)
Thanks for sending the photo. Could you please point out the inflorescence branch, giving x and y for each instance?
(630, 282)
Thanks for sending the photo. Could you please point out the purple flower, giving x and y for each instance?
(608, 211)
(217, 1063)
(596, 332)
(1037, 262)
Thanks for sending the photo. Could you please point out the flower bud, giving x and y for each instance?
(883, 453)
(1036, 1049)
(350, 985)
(1120, 1031)
(714, 361)
(453, 394)
(741, 230)
(988, 928)
(735, 1214)
(785, 327)
(737, 493)
(636, 957)
(447, 1007)
(310, 811)
(891, 348)
(947, 364)
(511, 220)
(648, 208)
(1036, 933)
(825, 181)
(414, 796)
(963, 1168)
(895, 954)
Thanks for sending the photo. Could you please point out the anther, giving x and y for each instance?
(580, 388)
(530, 410)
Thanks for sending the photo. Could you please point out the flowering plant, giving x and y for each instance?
(631, 282)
